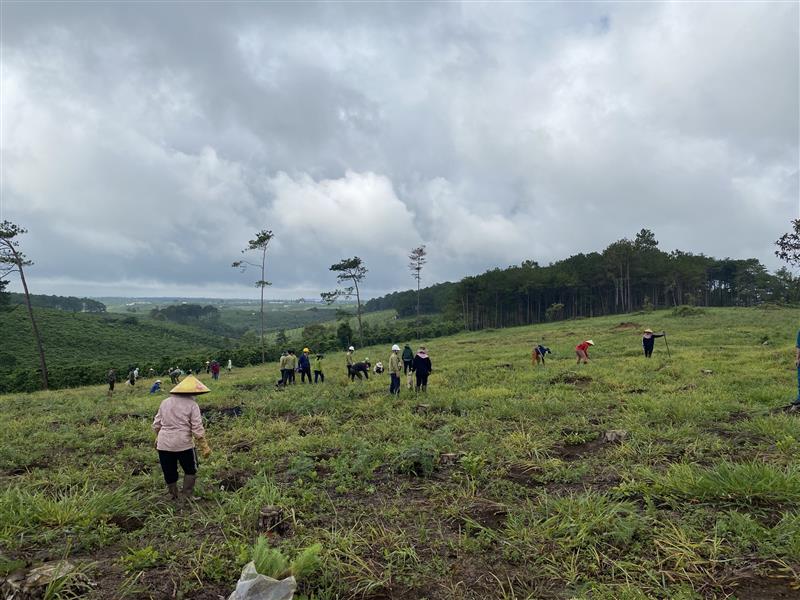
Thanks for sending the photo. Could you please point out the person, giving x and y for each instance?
(208, 367)
(649, 341)
(111, 378)
(319, 373)
(156, 387)
(215, 370)
(797, 364)
(284, 366)
(131, 378)
(151, 372)
(230, 365)
(408, 358)
(394, 370)
(177, 420)
(582, 351)
(378, 368)
(174, 375)
(135, 374)
(291, 364)
(350, 361)
(421, 365)
(305, 366)
(538, 353)
(358, 368)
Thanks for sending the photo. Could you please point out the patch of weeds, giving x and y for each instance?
(729, 483)
(687, 311)
(9, 565)
(473, 464)
(139, 559)
(418, 460)
(301, 467)
(272, 562)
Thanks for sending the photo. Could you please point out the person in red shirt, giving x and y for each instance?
(582, 351)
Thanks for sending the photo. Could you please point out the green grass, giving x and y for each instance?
(71, 339)
(495, 484)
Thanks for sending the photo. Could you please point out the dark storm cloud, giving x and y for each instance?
(144, 143)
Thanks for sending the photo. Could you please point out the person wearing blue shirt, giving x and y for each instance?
(305, 366)
(156, 387)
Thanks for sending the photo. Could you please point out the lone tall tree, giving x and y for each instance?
(13, 261)
(353, 270)
(418, 260)
(789, 245)
(259, 245)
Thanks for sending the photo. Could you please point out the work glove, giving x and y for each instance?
(205, 449)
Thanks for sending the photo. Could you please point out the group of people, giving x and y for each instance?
(582, 350)
(290, 364)
(178, 419)
(407, 363)
(211, 367)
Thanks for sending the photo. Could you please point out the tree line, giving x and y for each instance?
(629, 275)
(65, 303)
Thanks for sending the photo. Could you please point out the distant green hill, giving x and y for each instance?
(80, 347)
(67, 303)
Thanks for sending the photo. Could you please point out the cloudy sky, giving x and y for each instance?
(144, 143)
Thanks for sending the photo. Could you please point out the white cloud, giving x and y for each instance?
(149, 145)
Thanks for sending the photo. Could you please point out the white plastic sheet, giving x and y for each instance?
(254, 586)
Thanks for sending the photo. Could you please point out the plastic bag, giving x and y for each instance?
(254, 586)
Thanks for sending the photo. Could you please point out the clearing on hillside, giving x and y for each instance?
(623, 478)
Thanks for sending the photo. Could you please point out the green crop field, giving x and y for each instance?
(72, 338)
(625, 478)
(90, 342)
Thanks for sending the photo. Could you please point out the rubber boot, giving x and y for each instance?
(188, 485)
(173, 490)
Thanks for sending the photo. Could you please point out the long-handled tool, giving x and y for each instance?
(669, 354)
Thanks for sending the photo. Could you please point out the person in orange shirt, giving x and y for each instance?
(582, 351)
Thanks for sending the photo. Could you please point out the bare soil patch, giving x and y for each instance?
(570, 452)
(247, 387)
(232, 480)
(572, 377)
(127, 523)
(764, 588)
(486, 513)
(626, 326)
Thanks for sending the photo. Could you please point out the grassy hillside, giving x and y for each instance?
(497, 483)
(74, 340)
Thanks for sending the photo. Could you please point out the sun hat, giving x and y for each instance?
(395, 348)
(648, 331)
(306, 350)
(351, 349)
(590, 342)
(190, 385)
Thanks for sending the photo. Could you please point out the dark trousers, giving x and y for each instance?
(305, 372)
(110, 386)
(291, 375)
(285, 374)
(394, 386)
(406, 366)
(422, 381)
(319, 376)
(169, 463)
(648, 351)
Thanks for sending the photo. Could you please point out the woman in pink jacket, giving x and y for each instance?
(177, 420)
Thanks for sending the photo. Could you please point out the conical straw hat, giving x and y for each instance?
(190, 385)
